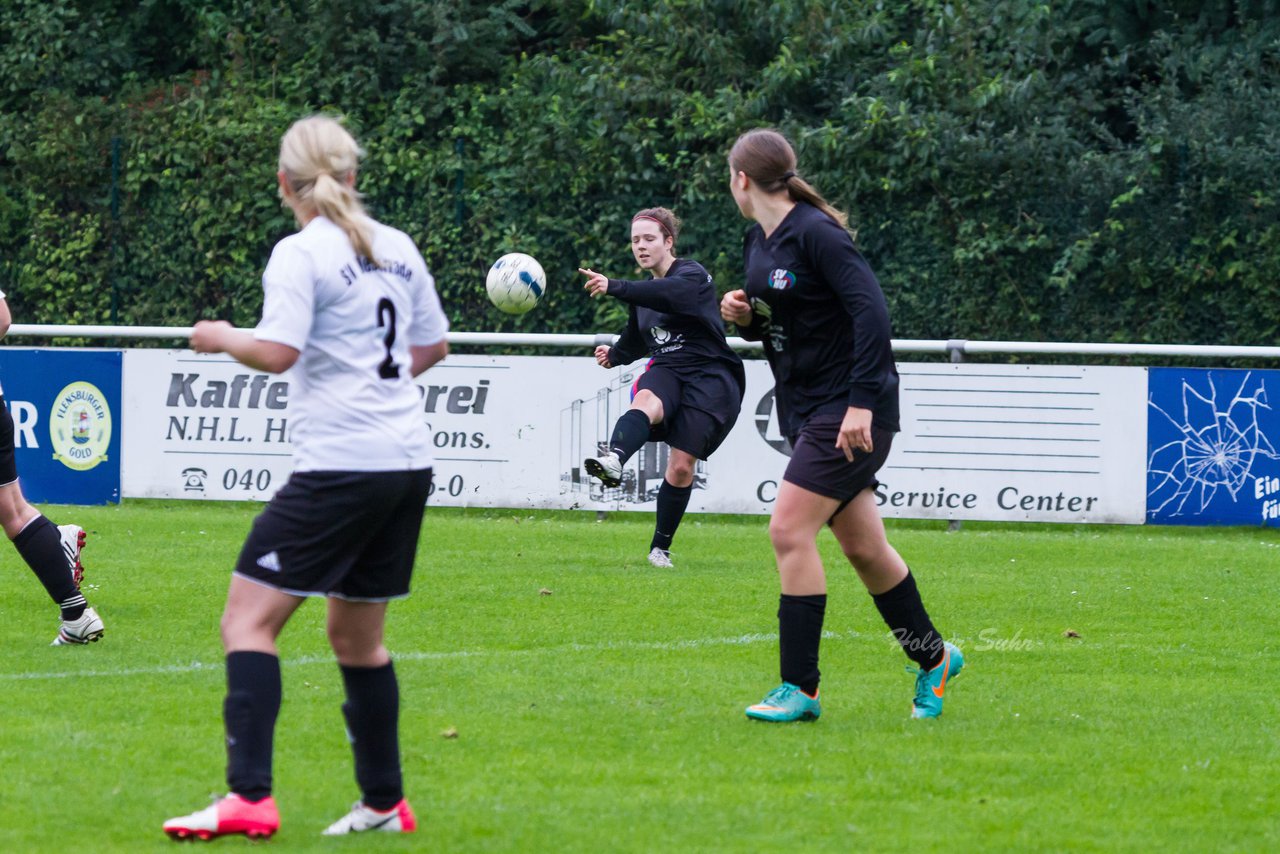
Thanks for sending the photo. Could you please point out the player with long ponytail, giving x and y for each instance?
(813, 300)
(318, 161)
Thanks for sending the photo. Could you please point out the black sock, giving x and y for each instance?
(672, 502)
(372, 711)
(629, 434)
(40, 545)
(249, 712)
(909, 622)
(799, 633)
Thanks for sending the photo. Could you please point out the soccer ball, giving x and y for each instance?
(515, 283)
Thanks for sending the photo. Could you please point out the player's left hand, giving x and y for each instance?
(210, 336)
(855, 432)
(597, 283)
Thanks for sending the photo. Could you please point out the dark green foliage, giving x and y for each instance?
(1082, 171)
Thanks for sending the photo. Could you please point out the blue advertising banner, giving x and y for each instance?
(66, 423)
(1211, 447)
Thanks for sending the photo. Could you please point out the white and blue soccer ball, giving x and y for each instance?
(515, 283)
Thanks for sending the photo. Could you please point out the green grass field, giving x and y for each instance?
(606, 715)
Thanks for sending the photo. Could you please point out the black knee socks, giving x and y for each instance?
(249, 712)
(903, 611)
(372, 711)
(629, 434)
(799, 634)
(672, 502)
(40, 545)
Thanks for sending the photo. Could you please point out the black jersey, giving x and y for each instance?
(676, 320)
(823, 319)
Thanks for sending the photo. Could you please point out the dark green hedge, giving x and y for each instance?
(1086, 170)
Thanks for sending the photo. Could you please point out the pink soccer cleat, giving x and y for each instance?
(230, 815)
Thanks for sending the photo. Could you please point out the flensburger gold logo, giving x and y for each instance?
(80, 426)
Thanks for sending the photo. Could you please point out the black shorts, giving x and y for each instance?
(819, 466)
(352, 535)
(697, 429)
(8, 468)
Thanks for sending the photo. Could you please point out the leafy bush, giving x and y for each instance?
(1082, 171)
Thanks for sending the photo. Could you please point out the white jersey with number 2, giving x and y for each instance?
(353, 405)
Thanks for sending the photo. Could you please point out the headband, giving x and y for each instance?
(662, 225)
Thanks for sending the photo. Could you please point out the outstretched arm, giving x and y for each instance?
(679, 294)
(687, 292)
(218, 336)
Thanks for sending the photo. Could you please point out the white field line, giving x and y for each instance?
(216, 667)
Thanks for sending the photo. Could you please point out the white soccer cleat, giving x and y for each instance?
(660, 558)
(85, 629)
(606, 466)
(398, 819)
(73, 538)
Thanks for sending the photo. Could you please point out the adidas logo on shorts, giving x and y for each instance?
(270, 561)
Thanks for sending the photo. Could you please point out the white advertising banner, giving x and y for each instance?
(1063, 444)
(1019, 443)
(199, 426)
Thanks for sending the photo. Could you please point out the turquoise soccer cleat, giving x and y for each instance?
(786, 703)
(931, 684)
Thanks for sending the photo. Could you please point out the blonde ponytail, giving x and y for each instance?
(319, 158)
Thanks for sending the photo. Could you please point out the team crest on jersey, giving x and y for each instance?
(80, 426)
(660, 335)
(781, 279)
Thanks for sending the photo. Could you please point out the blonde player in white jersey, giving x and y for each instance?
(52, 551)
(350, 307)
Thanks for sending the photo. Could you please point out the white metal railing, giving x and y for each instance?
(956, 347)
(1206, 351)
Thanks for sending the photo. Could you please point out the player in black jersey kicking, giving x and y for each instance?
(813, 300)
(691, 392)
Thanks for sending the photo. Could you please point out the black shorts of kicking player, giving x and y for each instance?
(352, 535)
(819, 466)
(696, 429)
(8, 468)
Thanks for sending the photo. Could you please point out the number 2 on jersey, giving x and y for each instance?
(388, 369)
